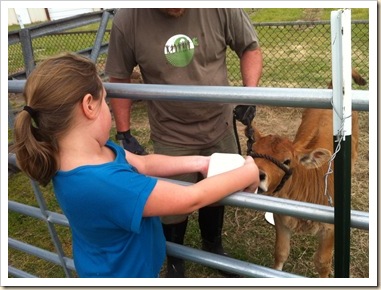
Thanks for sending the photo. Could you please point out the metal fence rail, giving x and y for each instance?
(316, 212)
(281, 97)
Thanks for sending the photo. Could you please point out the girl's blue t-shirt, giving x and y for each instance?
(104, 205)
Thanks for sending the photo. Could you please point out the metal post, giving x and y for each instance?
(53, 233)
(27, 50)
(99, 37)
(11, 116)
(342, 130)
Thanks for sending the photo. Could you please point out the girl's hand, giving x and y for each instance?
(249, 161)
(204, 161)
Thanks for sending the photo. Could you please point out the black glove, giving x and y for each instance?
(244, 113)
(130, 143)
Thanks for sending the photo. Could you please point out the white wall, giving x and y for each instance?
(59, 13)
(12, 17)
(37, 15)
(32, 15)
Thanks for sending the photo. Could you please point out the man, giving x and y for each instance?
(184, 47)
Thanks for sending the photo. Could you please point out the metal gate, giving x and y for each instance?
(260, 96)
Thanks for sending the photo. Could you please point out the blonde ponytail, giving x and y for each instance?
(51, 93)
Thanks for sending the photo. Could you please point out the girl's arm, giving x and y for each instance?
(172, 199)
(166, 166)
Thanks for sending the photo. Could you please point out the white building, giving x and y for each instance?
(31, 15)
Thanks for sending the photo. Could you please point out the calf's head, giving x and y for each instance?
(278, 157)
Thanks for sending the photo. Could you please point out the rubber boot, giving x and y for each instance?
(211, 221)
(175, 233)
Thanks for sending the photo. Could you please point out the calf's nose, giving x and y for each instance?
(262, 175)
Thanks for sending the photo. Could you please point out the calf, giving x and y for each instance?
(296, 170)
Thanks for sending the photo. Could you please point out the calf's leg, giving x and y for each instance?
(282, 243)
(324, 253)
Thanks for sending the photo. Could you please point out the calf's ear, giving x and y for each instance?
(315, 158)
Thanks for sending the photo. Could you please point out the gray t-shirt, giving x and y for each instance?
(190, 50)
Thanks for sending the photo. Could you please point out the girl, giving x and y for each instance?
(108, 194)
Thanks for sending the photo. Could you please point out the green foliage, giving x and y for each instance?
(300, 14)
(356, 13)
(276, 14)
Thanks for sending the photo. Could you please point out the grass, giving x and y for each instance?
(297, 14)
(246, 235)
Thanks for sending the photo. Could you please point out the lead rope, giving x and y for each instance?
(236, 134)
(245, 114)
(249, 133)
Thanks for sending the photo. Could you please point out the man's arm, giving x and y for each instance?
(251, 71)
(251, 67)
(121, 108)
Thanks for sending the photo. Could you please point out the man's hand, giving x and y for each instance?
(130, 143)
(245, 114)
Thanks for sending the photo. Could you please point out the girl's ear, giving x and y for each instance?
(89, 107)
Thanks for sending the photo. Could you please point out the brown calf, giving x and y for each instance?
(307, 156)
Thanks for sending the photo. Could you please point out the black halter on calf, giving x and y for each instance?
(245, 114)
(287, 171)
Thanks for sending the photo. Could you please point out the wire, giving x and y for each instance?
(338, 147)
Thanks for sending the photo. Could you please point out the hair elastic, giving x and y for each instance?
(31, 111)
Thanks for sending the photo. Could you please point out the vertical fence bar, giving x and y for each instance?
(99, 37)
(53, 233)
(11, 116)
(27, 50)
(342, 130)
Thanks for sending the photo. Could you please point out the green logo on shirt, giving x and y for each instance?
(179, 50)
